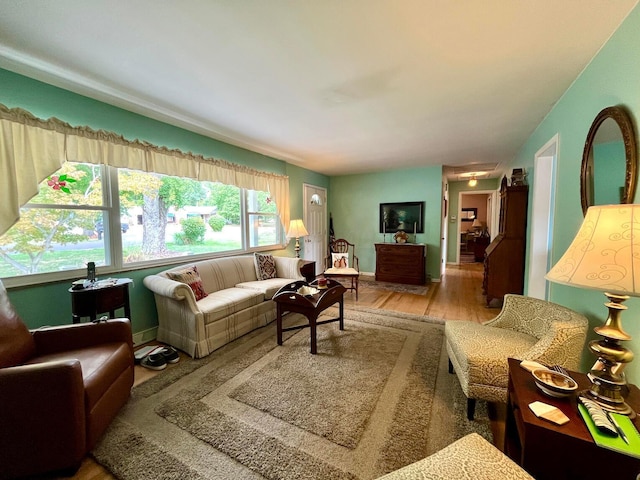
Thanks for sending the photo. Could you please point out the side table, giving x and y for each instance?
(101, 297)
(549, 451)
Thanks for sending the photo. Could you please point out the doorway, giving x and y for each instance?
(315, 219)
(475, 224)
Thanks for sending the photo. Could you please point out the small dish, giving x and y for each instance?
(554, 384)
(307, 291)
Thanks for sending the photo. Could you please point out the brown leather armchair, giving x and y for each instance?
(60, 387)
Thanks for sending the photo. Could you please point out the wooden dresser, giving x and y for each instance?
(505, 256)
(401, 262)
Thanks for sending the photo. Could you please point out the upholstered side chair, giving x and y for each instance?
(347, 270)
(526, 329)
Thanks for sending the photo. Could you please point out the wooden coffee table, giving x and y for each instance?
(311, 306)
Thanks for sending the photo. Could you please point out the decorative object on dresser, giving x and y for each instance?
(603, 256)
(401, 262)
(505, 255)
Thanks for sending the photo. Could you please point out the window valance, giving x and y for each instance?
(31, 149)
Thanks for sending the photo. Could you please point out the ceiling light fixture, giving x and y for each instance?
(473, 181)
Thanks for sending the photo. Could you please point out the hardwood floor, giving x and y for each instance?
(457, 297)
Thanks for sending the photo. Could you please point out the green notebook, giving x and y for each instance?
(611, 442)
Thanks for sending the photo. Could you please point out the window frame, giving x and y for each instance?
(113, 245)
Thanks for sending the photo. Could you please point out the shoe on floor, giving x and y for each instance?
(154, 361)
(170, 354)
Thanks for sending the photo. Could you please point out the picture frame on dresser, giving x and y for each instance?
(402, 216)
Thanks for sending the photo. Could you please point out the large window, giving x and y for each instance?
(121, 218)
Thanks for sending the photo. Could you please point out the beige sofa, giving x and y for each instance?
(236, 302)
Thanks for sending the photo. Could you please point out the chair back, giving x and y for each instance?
(16, 342)
(342, 246)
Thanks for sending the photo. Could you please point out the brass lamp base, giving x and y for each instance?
(608, 381)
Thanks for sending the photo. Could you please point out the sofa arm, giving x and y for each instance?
(42, 417)
(82, 335)
(288, 267)
(177, 291)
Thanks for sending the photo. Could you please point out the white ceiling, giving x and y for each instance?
(336, 86)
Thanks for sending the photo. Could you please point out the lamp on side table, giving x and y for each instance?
(604, 256)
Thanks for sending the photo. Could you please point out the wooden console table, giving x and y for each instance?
(549, 451)
(401, 262)
(89, 302)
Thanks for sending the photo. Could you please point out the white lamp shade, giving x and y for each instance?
(605, 254)
(296, 229)
(476, 223)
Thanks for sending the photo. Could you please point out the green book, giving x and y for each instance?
(611, 442)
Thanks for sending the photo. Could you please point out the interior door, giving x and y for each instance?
(315, 219)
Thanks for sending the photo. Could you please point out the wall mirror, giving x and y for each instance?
(610, 160)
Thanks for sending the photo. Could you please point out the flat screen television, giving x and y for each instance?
(405, 216)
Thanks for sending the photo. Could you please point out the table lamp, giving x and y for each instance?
(605, 256)
(297, 230)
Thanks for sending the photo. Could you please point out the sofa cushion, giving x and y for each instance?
(267, 287)
(225, 302)
(191, 277)
(265, 266)
(340, 260)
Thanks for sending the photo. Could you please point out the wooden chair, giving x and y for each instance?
(347, 269)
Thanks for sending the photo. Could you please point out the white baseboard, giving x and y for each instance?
(145, 336)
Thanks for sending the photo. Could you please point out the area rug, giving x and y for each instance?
(370, 281)
(376, 397)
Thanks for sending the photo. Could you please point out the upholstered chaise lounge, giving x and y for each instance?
(526, 329)
(470, 458)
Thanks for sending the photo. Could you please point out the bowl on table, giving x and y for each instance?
(554, 384)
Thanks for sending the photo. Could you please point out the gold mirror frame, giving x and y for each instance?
(623, 120)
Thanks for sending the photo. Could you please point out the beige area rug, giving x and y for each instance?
(376, 397)
(370, 281)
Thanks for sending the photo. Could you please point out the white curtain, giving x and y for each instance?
(31, 149)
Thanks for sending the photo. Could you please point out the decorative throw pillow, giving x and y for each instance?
(265, 266)
(340, 260)
(191, 277)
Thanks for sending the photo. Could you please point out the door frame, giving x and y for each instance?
(542, 216)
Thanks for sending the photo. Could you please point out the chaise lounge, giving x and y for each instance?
(527, 329)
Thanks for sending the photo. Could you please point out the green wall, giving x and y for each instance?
(355, 205)
(610, 79)
(454, 210)
(49, 304)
